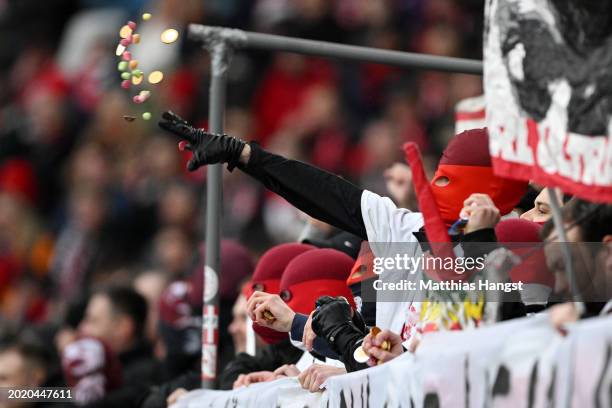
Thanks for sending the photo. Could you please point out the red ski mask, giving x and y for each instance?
(533, 269)
(267, 278)
(321, 272)
(466, 164)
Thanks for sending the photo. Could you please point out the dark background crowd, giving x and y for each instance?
(88, 199)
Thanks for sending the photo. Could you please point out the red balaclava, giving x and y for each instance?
(321, 272)
(533, 269)
(466, 163)
(267, 278)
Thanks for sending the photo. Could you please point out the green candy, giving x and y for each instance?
(123, 65)
(146, 116)
(125, 75)
(137, 73)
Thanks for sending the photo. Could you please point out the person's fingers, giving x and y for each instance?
(185, 145)
(193, 164)
(306, 378)
(176, 394)
(254, 301)
(308, 338)
(316, 381)
(239, 381)
(367, 343)
(380, 354)
(302, 377)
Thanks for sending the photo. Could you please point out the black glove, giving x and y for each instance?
(207, 148)
(356, 318)
(333, 321)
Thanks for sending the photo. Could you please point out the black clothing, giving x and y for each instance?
(322, 195)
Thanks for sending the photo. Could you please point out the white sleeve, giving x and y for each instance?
(384, 222)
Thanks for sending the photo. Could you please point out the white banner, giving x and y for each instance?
(522, 363)
(548, 94)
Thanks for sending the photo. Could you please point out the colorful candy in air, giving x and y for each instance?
(128, 67)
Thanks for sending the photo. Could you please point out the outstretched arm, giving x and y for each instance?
(320, 194)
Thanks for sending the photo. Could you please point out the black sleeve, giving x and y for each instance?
(320, 194)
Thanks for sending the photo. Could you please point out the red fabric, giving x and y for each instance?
(269, 336)
(362, 268)
(463, 181)
(533, 269)
(468, 148)
(321, 272)
(282, 93)
(305, 294)
(466, 162)
(17, 177)
(435, 228)
(597, 194)
(272, 264)
(267, 277)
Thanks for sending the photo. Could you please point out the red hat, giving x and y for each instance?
(267, 277)
(272, 264)
(321, 272)
(91, 369)
(533, 269)
(466, 162)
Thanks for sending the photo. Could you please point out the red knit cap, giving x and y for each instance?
(533, 269)
(466, 162)
(316, 273)
(272, 264)
(267, 278)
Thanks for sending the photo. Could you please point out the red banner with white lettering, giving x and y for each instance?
(548, 90)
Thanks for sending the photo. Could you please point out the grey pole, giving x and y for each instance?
(239, 38)
(220, 55)
(565, 246)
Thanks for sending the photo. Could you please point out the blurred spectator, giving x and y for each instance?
(118, 317)
(23, 364)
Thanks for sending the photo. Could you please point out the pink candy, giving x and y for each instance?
(125, 41)
(125, 84)
(182, 145)
(132, 25)
(127, 56)
(138, 99)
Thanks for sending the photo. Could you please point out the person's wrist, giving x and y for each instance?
(288, 321)
(245, 155)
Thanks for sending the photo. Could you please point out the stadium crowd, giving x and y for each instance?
(101, 223)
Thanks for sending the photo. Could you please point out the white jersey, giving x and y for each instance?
(386, 224)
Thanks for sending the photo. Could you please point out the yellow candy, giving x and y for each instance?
(146, 116)
(146, 16)
(156, 77)
(133, 64)
(136, 38)
(125, 31)
(137, 80)
(169, 36)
